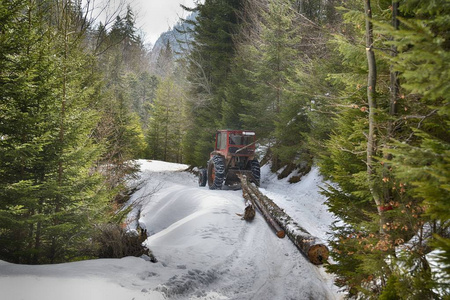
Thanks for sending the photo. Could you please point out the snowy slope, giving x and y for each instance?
(302, 201)
(204, 250)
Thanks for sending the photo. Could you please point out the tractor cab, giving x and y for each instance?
(234, 154)
(235, 143)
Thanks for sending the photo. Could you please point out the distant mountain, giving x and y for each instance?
(178, 36)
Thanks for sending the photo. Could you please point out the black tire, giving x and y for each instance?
(216, 172)
(202, 177)
(256, 171)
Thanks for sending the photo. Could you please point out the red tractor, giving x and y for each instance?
(234, 153)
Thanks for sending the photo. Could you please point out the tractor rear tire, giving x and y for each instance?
(216, 172)
(256, 171)
(202, 177)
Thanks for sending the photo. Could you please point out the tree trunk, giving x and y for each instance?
(394, 75)
(309, 245)
(394, 91)
(62, 130)
(166, 133)
(371, 97)
(253, 198)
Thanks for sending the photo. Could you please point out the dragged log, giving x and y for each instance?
(250, 196)
(309, 245)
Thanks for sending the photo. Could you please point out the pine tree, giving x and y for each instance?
(21, 140)
(420, 159)
(365, 248)
(165, 62)
(166, 123)
(352, 155)
(51, 195)
(120, 63)
(275, 53)
(209, 71)
(142, 92)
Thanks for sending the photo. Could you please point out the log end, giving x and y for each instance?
(318, 254)
(281, 234)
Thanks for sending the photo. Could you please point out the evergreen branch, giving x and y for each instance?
(352, 152)
(195, 9)
(422, 118)
(384, 49)
(307, 19)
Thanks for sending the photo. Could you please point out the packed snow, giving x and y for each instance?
(204, 249)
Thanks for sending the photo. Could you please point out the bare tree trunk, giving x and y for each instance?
(371, 97)
(166, 133)
(394, 91)
(64, 27)
(394, 75)
(394, 82)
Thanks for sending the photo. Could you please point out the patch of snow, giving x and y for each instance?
(302, 201)
(103, 279)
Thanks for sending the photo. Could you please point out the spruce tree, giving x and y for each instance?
(166, 123)
(142, 92)
(120, 62)
(368, 253)
(353, 152)
(51, 194)
(209, 65)
(275, 54)
(420, 159)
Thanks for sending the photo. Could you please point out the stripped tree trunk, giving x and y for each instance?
(394, 91)
(253, 198)
(309, 245)
(371, 97)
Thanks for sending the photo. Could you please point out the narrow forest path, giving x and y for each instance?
(205, 250)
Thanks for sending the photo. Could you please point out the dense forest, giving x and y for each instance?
(359, 88)
(72, 119)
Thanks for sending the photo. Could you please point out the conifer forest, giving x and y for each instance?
(360, 88)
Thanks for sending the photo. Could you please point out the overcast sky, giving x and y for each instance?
(153, 17)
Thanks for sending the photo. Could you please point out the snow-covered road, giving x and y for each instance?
(204, 250)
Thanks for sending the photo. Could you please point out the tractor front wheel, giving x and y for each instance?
(216, 172)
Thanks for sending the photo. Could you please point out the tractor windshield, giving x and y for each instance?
(241, 140)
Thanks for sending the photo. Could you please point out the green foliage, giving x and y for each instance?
(127, 90)
(166, 127)
(391, 291)
(72, 101)
(411, 161)
(423, 162)
(142, 93)
(209, 65)
(50, 192)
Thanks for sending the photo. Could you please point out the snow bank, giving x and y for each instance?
(302, 201)
(108, 279)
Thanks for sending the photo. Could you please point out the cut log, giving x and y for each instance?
(249, 212)
(309, 245)
(247, 193)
